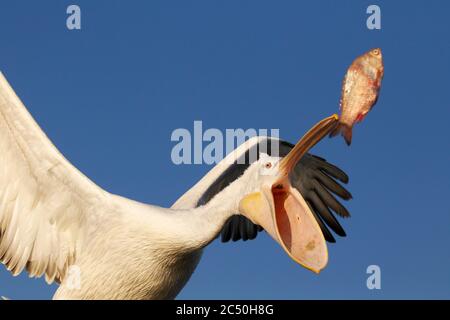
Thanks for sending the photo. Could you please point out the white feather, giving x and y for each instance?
(43, 198)
(55, 222)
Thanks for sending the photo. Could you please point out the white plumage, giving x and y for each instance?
(57, 222)
(52, 216)
(45, 202)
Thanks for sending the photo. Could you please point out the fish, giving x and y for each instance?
(360, 90)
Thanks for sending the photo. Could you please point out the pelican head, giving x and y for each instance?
(280, 209)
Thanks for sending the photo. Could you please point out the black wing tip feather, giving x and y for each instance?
(226, 232)
(325, 231)
(238, 228)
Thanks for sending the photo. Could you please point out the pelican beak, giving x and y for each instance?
(283, 212)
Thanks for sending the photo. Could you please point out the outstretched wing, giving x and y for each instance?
(45, 202)
(315, 178)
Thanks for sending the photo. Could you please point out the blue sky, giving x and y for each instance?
(110, 95)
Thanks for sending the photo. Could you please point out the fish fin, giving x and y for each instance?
(335, 131)
(343, 129)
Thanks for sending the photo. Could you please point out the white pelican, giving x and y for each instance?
(53, 218)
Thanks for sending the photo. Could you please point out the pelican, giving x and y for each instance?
(54, 220)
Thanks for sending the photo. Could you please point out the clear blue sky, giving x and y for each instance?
(110, 95)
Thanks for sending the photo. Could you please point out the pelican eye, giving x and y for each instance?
(268, 165)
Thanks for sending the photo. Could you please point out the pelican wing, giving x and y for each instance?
(315, 179)
(45, 202)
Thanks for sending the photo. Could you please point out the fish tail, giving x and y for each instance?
(343, 129)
